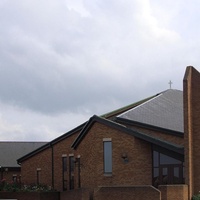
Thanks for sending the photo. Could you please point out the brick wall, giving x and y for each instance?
(8, 175)
(174, 192)
(124, 193)
(42, 162)
(137, 171)
(63, 148)
(78, 194)
(162, 135)
(192, 129)
(30, 195)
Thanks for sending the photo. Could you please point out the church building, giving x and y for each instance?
(149, 149)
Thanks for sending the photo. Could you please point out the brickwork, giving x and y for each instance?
(124, 193)
(8, 175)
(192, 129)
(174, 192)
(78, 194)
(162, 135)
(30, 195)
(60, 149)
(137, 171)
(41, 162)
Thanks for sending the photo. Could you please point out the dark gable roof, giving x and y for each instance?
(173, 147)
(164, 110)
(11, 151)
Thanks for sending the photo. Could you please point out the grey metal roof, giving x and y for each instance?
(165, 111)
(11, 151)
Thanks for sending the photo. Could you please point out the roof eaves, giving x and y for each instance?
(40, 149)
(83, 132)
(49, 144)
(71, 132)
(87, 127)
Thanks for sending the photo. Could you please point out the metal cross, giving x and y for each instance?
(170, 84)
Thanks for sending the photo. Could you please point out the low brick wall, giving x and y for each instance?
(78, 194)
(130, 193)
(30, 195)
(174, 192)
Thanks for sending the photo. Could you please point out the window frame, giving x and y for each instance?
(107, 156)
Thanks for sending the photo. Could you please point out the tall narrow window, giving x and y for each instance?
(14, 178)
(79, 172)
(64, 172)
(71, 172)
(64, 161)
(38, 175)
(107, 145)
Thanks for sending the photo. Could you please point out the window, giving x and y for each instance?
(64, 163)
(14, 178)
(71, 172)
(64, 172)
(107, 146)
(79, 171)
(38, 175)
(166, 169)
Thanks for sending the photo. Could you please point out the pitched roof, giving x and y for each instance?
(11, 151)
(125, 108)
(49, 144)
(164, 110)
(156, 141)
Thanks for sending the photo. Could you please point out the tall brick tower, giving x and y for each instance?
(191, 92)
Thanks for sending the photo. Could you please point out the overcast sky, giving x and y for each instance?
(63, 61)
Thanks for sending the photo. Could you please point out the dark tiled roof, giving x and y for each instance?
(11, 151)
(164, 110)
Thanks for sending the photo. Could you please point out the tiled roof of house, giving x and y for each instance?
(11, 151)
(164, 110)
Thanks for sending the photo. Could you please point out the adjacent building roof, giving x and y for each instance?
(164, 110)
(11, 151)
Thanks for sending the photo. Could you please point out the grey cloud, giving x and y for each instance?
(56, 58)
